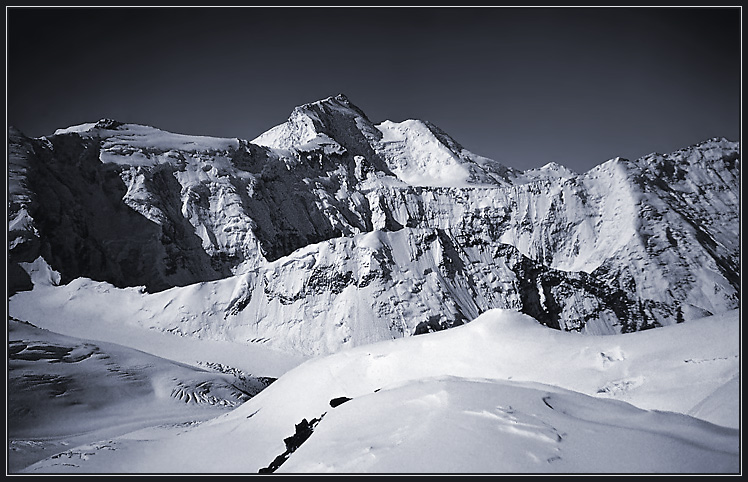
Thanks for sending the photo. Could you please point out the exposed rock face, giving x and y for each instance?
(102, 220)
(332, 224)
(381, 285)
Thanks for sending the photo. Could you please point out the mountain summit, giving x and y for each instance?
(330, 230)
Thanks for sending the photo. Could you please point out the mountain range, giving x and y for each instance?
(368, 232)
(329, 234)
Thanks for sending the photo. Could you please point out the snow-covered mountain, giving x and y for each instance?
(329, 207)
(224, 263)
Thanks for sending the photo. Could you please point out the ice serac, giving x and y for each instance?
(337, 231)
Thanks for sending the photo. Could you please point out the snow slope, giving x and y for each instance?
(501, 394)
(65, 391)
(125, 140)
(421, 154)
(83, 309)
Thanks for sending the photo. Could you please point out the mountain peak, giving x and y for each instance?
(334, 117)
(101, 124)
(340, 99)
(106, 123)
(336, 105)
(552, 170)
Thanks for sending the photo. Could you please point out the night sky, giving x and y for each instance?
(523, 86)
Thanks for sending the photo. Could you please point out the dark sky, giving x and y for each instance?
(523, 86)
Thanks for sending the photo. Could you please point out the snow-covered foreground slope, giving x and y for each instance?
(499, 394)
(99, 311)
(63, 391)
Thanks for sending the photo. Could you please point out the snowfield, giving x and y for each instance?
(501, 394)
(63, 391)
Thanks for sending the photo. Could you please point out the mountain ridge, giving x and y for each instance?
(137, 206)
